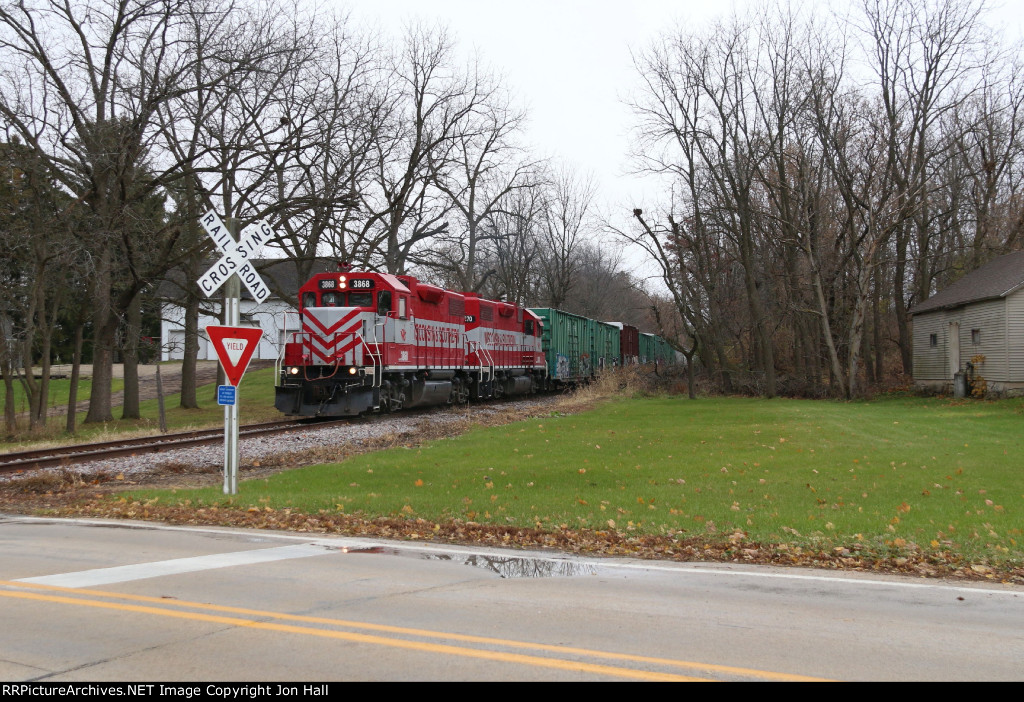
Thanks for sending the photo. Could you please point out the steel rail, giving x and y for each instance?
(69, 455)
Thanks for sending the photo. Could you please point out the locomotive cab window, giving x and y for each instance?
(330, 299)
(309, 299)
(360, 299)
(401, 307)
(529, 327)
(384, 302)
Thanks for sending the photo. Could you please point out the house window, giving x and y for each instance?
(976, 337)
(933, 340)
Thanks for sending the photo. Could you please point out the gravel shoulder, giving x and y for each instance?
(263, 455)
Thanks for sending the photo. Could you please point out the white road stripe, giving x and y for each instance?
(834, 577)
(141, 571)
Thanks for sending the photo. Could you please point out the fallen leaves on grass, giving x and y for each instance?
(67, 493)
(677, 546)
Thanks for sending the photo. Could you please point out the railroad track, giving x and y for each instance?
(80, 453)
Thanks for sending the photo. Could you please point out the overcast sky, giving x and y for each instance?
(569, 63)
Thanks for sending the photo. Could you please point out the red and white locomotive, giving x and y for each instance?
(375, 341)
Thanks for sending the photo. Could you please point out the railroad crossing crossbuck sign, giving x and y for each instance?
(235, 259)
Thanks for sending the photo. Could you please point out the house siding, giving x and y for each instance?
(270, 317)
(989, 318)
(989, 300)
(1015, 336)
(930, 363)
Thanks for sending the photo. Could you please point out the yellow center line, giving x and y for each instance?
(537, 661)
(425, 633)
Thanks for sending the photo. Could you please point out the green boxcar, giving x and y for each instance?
(606, 345)
(664, 352)
(575, 347)
(648, 348)
(655, 349)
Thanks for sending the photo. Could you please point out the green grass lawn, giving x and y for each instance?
(255, 392)
(887, 476)
(60, 388)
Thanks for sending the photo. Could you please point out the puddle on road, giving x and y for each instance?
(506, 567)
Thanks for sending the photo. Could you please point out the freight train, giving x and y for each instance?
(379, 342)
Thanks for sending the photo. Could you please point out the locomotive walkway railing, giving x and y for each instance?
(482, 355)
(378, 358)
(514, 356)
(289, 336)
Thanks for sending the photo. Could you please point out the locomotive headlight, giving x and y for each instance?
(293, 370)
(353, 370)
(341, 281)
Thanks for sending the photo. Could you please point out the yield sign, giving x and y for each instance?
(234, 347)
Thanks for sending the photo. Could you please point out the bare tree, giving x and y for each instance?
(428, 105)
(926, 58)
(333, 111)
(486, 166)
(255, 138)
(829, 197)
(513, 247)
(84, 85)
(35, 234)
(700, 120)
(564, 232)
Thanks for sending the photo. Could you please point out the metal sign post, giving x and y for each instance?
(235, 347)
(232, 316)
(231, 270)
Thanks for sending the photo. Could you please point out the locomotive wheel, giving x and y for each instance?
(390, 402)
(395, 403)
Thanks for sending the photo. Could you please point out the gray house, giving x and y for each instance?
(978, 320)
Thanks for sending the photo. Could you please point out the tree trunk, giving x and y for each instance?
(161, 413)
(100, 406)
(10, 416)
(28, 379)
(876, 331)
(857, 336)
(76, 367)
(762, 337)
(191, 353)
(690, 382)
(41, 409)
(902, 318)
(104, 326)
(826, 328)
(130, 349)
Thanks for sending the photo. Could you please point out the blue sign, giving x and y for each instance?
(226, 394)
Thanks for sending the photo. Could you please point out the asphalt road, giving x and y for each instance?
(93, 600)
